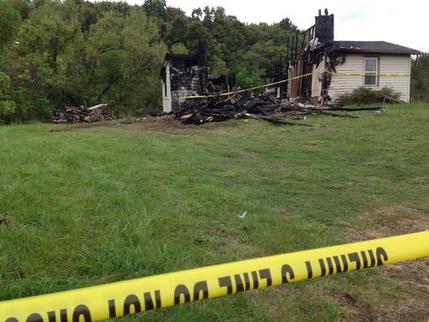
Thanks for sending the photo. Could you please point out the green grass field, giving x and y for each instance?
(95, 205)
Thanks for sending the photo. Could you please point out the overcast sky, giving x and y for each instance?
(401, 22)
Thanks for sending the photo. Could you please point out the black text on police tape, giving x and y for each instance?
(232, 284)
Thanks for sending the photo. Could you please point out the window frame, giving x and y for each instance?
(371, 73)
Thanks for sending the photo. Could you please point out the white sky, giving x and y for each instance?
(400, 22)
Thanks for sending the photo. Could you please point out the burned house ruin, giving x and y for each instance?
(312, 60)
(182, 75)
(315, 66)
(326, 68)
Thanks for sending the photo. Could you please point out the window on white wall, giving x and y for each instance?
(371, 71)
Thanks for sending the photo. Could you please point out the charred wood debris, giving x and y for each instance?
(261, 107)
(82, 114)
(265, 107)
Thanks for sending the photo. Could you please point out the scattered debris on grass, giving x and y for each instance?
(74, 114)
(262, 107)
(243, 215)
(160, 119)
(265, 107)
(78, 126)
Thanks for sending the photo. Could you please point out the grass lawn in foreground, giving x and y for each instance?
(96, 205)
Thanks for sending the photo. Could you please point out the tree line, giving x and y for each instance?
(420, 78)
(75, 52)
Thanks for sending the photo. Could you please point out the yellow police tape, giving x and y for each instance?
(287, 80)
(148, 293)
(368, 74)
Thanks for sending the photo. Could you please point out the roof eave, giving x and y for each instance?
(386, 52)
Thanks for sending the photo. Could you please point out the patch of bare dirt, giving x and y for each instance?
(413, 309)
(163, 123)
(362, 311)
(393, 220)
(412, 276)
(78, 126)
(172, 126)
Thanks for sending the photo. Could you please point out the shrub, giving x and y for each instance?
(420, 79)
(19, 105)
(7, 111)
(7, 107)
(31, 106)
(365, 95)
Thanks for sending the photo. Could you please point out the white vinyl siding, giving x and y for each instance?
(387, 64)
(396, 65)
(341, 84)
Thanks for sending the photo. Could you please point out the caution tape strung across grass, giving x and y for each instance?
(148, 293)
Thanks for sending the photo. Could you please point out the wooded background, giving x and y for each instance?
(74, 52)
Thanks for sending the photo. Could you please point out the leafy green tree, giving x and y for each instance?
(179, 48)
(287, 24)
(43, 40)
(420, 78)
(7, 106)
(128, 55)
(173, 13)
(46, 32)
(84, 12)
(23, 7)
(122, 8)
(197, 14)
(156, 8)
(9, 22)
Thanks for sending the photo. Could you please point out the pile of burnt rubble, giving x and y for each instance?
(221, 108)
(264, 107)
(82, 114)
